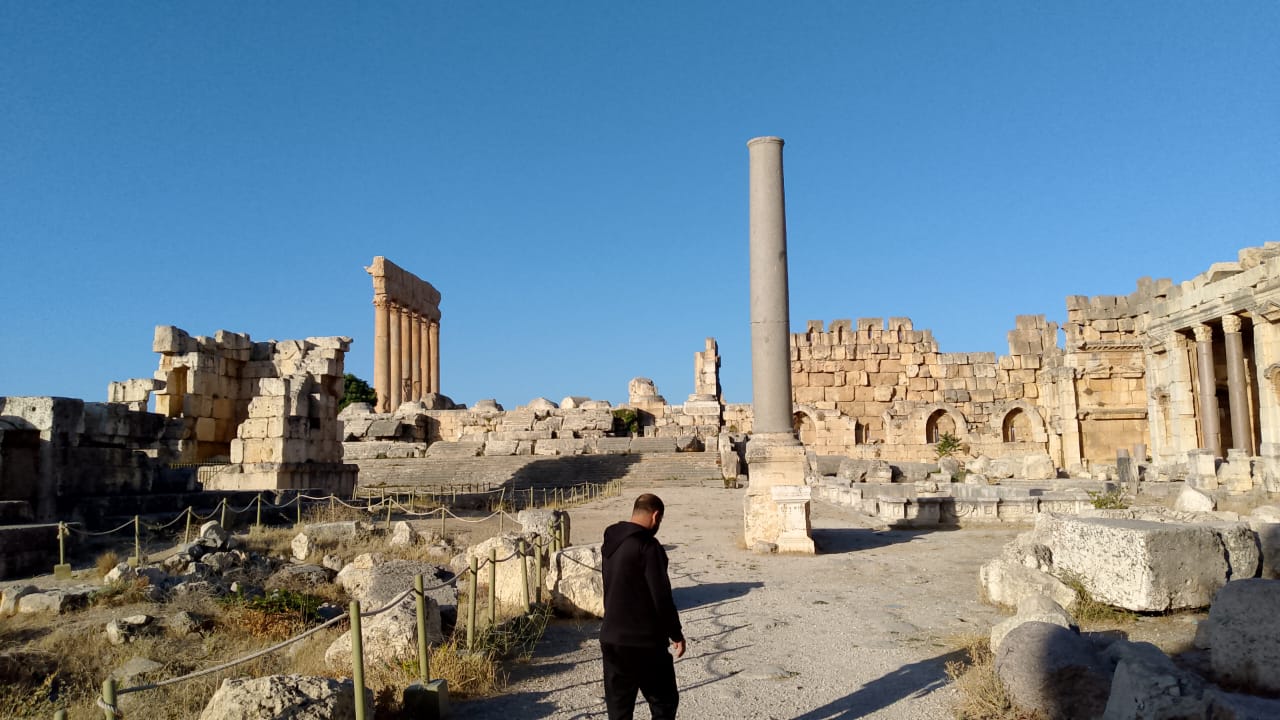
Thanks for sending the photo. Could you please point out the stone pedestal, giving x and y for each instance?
(1202, 471)
(776, 465)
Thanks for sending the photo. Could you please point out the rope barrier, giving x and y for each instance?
(74, 529)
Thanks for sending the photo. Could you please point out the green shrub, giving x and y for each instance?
(626, 422)
(1112, 500)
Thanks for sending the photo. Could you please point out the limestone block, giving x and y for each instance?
(318, 537)
(508, 577)
(1052, 670)
(10, 596)
(284, 696)
(169, 340)
(1268, 534)
(1244, 635)
(539, 522)
(1141, 565)
(1146, 685)
(575, 583)
(1006, 582)
(1038, 466)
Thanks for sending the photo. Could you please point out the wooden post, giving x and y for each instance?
(444, 513)
(298, 511)
(388, 513)
(109, 697)
(333, 513)
(473, 590)
(223, 519)
(137, 541)
(258, 520)
(537, 558)
(493, 587)
(424, 658)
(357, 659)
(186, 530)
(524, 573)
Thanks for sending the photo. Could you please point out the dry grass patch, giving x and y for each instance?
(106, 562)
(981, 694)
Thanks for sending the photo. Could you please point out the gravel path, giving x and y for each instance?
(862, 630)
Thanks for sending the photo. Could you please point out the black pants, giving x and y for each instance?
(650, 670)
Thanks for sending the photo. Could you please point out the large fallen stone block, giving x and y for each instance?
(324, 536)
(1006, 582)
(575, 583)
(390, 637)
(376, 581)
(1140, 565)
(284, 697)
(1052, 670)
(508, 576)
(1032, 608)
(1244, 635)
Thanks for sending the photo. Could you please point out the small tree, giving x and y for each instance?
(356, 390)
(947, 445)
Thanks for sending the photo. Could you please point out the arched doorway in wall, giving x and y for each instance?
(1016, 427)
(939, 423)
(804, 427)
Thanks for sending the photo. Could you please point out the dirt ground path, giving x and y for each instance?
(862, 630)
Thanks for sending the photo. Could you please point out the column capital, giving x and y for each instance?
(1230, 323)
(381, 301)
(1203, 333)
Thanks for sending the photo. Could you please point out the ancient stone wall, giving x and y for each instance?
(869, 386)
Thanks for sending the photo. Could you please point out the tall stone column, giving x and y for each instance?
(1208, 406)
(406, 355)
(381, 352)
(435, 355)
(415, 352)
(1237, 392)
(776, 506)
(424, 359)
(396, 371)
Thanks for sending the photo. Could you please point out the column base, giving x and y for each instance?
(776, 506)
(63, 571)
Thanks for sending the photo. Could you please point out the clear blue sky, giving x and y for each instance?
(573, 176)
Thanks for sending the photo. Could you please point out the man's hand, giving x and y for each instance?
(678, 647)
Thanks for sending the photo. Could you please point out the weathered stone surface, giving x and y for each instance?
(509, 590)
(1244, 557)
(1268, 534)
(1006, 582)
(1052, 670)
(326, 536)
(135, 670)
(183, 623)
(9, 598)
(541, 522)
(213, 535)
(575, 583)
(1223, 705)
(1032, 608)
(128, 629)
(403, 535)
(375, 581)
(284, 697)
(298, 577)
(1038, 467)
(1193, 500)
(1140, 565)
(389, 637)
(1244, 635)
(55, 602)
(1146, 685)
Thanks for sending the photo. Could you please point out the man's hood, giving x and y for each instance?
(616, 533)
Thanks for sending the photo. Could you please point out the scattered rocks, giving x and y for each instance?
(128, 629)
(136, 670)
(183, 623)
(403, 535)
(213, 535)
(318, 537)
(9, 598)
(55, 602)
(284, 697)
(300, 578)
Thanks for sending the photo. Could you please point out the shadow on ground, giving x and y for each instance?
(833, 541)
(695, 596)
(913, 680)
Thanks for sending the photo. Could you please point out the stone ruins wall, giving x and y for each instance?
(866, 388)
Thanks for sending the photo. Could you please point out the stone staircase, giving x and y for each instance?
(526, 470)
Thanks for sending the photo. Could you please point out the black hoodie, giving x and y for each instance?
(638, 608)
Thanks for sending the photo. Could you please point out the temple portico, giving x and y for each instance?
(406, 335)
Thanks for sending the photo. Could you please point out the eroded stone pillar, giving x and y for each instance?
(776, 506)
(415, 353)
(406, 355)
(1237, 391)
(396, 373)
(382, 352)
(1208, 405)
(434, 336)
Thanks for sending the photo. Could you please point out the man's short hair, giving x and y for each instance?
(648, 503)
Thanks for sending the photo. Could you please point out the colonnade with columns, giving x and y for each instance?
(406, 354)
(406, 335)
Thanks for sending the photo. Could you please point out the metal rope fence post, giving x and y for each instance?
(298, 511)
(472, 591)
(388, 514)
(136, 560)
(444, 512)
(524, 573)
(333, 514)
(109, 698)
(493, 587)
(186, 529)
(222, 519)
(257, 522)
(537, 558)
(424, 658)
(357, 659)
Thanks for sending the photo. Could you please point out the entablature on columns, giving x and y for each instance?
(404, 289)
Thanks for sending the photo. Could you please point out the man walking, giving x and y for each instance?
(639, 616)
